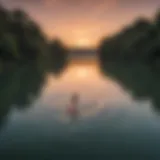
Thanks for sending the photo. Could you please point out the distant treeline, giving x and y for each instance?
(23, 41)
(139, 42)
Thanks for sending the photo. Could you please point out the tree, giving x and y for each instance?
(137, 42)
(28, 35)
(22, 40)
(57, 55)
(157, 19)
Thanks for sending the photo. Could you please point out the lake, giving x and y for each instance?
(118, 112)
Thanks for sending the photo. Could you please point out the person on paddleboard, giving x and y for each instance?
(73, 105)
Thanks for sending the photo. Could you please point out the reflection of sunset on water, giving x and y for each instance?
(80, 72)
(96, 92)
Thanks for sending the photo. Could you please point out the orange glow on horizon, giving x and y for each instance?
(89, 42)
(83, 23)
(83, 43)
(79, 36)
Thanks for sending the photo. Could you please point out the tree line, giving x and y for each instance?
(139, 42)
(22, 41)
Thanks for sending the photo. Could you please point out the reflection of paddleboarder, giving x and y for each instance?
(72, 109)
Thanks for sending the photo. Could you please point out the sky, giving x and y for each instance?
(83, 23)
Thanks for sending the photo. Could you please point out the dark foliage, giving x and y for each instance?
(140, 42)
(22, 40)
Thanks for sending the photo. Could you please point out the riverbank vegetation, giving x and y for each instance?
(139, 42)
(22, 41)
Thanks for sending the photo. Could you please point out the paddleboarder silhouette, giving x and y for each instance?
(72, 108)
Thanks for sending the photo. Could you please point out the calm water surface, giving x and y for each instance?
(118, 113)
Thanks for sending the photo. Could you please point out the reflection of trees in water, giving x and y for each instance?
(140, 79)
(18, 86)
(23, 41)
(19, 83)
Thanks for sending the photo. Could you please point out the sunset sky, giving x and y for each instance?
(84, 22)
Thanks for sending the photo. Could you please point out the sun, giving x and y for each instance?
(83, 43)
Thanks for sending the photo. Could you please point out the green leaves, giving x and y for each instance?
(8, 47)
(137, 42)
(22, 40)
(157, 19)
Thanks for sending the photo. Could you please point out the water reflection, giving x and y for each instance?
(109, 120)
(140, 80)
(19, 87)
(84, 78)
